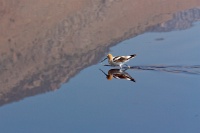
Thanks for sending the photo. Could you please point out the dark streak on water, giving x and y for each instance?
(195, 69)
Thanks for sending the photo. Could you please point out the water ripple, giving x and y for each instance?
(194, 69)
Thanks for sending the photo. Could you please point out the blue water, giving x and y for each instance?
(158, 102)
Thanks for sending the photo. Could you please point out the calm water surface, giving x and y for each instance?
(162, 100)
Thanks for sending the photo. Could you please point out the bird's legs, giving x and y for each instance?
(120, 66)
(127, 65)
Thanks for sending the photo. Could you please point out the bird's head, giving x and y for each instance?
(109, 77)
(109, 56)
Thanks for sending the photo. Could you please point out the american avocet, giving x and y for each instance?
(118, 74)
(118, 60)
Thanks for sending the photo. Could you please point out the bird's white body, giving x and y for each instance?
(119, 60)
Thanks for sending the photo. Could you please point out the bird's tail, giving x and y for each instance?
(133, 55)
(132, 79)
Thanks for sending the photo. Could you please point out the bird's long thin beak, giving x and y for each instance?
(103, 60)
(103, 72)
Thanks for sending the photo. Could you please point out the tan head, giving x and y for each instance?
(109, 56)
(109, 77)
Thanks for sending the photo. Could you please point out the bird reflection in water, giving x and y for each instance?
(118, 74)
(121, 74)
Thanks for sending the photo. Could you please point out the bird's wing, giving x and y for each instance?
(123, 76)
(120, 58)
